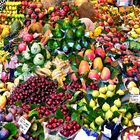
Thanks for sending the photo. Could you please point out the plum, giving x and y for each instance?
(4, 133)
(9, 117)
(2, 117)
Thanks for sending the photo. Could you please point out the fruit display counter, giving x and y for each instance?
(60, 80)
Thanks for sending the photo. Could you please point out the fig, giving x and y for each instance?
(118, 102)
(108, 114)
(9, 117)
(99, 120)
(105, 107)
(2, 117)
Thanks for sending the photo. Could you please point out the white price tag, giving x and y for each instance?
(137, 120)
(107, 132)
(134, 99)
(24, 125)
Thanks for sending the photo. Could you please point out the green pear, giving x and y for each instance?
(84, 108)
(92, 126)
(99, 120)
(86, 125)
(95, 93)
(125, 121)
(109, 94)
(103, 89)
(115, 119)
(92, 103)
(111, 87)
(105, 107)
(120, 92)
(114, 108)
(108, 114)
(118, 102)
(128, 115)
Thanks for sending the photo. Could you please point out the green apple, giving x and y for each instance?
(39, 59)
(105, 107)
(114, 108)
(99, 120)
(120, 92)
(92, 103)
(118, 102)
(108, 114)
(25, 68)
(115, 119)
(92, 126)
(103, 89)
(109, 94)
(128, 115)
(111, 87)
(95, 93)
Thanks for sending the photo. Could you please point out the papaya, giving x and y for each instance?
(98, 64)
(36, 28)
(84, 67)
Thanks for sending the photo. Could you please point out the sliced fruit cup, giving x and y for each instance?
(69, 130)
(53, 125)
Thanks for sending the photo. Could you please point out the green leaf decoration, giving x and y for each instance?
(18, 103)
(34, 106)
(75, 116)
(33, 113)
(12, 129)
(59, 114)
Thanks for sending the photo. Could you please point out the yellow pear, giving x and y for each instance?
(136, 26)
(134, 35)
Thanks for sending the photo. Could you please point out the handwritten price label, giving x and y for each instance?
(134, 99)
(24, 125)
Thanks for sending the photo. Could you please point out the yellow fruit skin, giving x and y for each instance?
(137, 31)
(3, 102)
(83, 67)
(98, 64)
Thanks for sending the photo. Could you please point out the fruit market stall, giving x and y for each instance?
(58, 80)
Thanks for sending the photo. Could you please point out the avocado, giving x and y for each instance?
(58, 33)
(80, 32)
(84, 42)
(70, 35)
(66, 24)
(75, 22)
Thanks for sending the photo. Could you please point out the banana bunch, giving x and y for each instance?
(59, 63)
(3, 56)
(45, 70)
(5, 32)
(59, 75)
(97, 31)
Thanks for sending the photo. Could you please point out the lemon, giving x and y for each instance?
(136, 26)
(137, 30)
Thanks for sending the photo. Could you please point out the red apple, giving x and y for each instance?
(100, 52)
(22, 47)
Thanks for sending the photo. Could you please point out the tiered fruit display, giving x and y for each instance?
(61, 77)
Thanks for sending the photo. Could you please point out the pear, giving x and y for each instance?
(130, 123)
(114, 108)
(92, 126)
(99, 120)
(103, 89)
(128, 115)
(120, 92)
(108, 114)
(134, 90)
(115, 120)
(111, 87)
(102, 96)
(136, 26)
(125, 121)
(86, 125)
(92, 103)
(95, 93)
(134, 35)
(105, 107)
(131, 84)
(118, 102)
(109, 93)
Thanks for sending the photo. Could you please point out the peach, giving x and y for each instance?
(100, 52)
(89, 54)
(74, 77)
(105, 75)
(83, 67)
(93, 74)
(97, 63)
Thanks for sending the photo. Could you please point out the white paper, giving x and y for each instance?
(82, 134)
(137, 120)
(134, 98)
(24, 125)
(107, 132)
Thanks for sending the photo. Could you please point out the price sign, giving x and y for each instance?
(24, 125)
(134, 99)
(122, 2)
